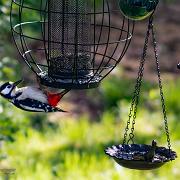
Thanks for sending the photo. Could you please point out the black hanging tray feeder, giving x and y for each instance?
(140, 156)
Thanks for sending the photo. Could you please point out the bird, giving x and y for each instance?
(32, 99)
(151, 153)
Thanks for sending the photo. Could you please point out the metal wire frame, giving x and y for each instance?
(105, 53)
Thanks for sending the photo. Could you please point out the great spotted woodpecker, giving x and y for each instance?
(31, 99)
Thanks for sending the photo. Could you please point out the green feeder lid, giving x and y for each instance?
(137, 9)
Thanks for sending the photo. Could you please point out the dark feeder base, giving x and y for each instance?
(135, 156)
(87, 82)
(60, 73)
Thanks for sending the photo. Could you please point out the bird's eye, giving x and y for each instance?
(9, 86)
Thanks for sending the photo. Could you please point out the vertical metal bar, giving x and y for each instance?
(107, 43)
(93, 61)
(63, 25)
(67, 21)
(43, 9)
(115, 49)
(75, 70)
(49, 35)
(14, 39)
(126, 46)
(23, 41)
(101, 30)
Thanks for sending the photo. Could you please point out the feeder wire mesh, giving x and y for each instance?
(71, 44)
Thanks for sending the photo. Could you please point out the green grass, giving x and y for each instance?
(75, 150)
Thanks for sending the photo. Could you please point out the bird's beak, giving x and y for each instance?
(17, 82)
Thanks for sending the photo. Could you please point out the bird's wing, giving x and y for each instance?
(35, 106)
(64, 92)
(33, 93)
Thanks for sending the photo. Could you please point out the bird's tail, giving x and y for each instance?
(56, 109)
(64, 92)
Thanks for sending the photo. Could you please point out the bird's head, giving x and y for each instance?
(8, 89)
(154, 143)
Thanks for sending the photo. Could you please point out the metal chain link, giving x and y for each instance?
(161, 88)
(135, 98)
(136, 95)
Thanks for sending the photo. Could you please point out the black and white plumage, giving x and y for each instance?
(28, 98)
(32, 105)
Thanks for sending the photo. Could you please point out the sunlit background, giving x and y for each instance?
(71, 146)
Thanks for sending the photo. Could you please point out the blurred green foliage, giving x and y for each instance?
(73, 148)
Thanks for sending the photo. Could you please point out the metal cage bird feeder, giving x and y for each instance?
(70, 44)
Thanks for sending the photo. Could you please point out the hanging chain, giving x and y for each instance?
(135, 99)
(161, 88)
(136, 95)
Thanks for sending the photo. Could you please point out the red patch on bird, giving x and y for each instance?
(53, 99)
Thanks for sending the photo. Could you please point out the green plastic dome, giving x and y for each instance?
(137, 9)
